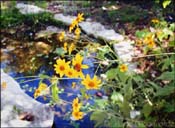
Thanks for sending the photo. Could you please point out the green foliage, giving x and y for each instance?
(11, 17)
(166, 3)
(99, 117)
(166, 91)
(127, 14)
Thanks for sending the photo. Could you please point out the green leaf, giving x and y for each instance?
(125, 108)
(172, 43)
(169, 107)
(167, 76)
(101, 102)
(60, 51)
(167, 32)
(154, 85)
(147, 109)
(128, 90)
(99, 117)
(167, 90)
(141, 125)
(122, 76)
(115, 122)
(142, 33)
(117, 97)
(102, 51)
(111, 74)
(166, 3)
(172, 27)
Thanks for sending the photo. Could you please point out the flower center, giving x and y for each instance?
(76, 104)
(70, 73)
(62, 68)
(76, 114)
(78, 67)
(91, 84)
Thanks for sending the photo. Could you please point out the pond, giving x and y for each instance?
(25, 61)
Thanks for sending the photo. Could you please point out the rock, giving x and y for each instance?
(92, 28)
(15, 101)
(47, 32)
(66, 19)
(29, 9)
(43, 47)
(125, 52)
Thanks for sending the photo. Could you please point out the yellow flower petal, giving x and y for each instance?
(89, 83)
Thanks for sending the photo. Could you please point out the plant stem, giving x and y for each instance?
(161, 54)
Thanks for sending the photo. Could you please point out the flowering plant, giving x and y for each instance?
(123, 97)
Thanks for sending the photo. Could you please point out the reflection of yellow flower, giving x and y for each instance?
(91, 83)
(73, 85)
(71, 73)
(42, 86)
(80, 17)
(61, 67)
(87, 96)
(76, 105)
(37, 93)
(123, 68)
(71, 48)
(155, 21)
(77, 115)
(78, 66)
(65, 46)
(61, 36)
(41, 90)
(4, 85)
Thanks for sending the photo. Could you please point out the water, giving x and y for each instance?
(68, 95)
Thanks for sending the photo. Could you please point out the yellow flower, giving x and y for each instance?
(155, 21)
(78, 66)
(71, 48)
(76, 105)
(77, 32)
(61, 36)
(71, 27)
(80, 17)
(123, 68)
(65, 46)
(89, 83)
(139, 43)
(151, 44)
(61, 67)
(149, 40)
(77, 115)
(73, 24)
(71, 73)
